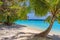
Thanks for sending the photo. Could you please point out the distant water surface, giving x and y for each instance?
(39, 24)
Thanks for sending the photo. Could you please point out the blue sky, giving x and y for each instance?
(32, 16)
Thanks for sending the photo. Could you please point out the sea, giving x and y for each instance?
(40, 25)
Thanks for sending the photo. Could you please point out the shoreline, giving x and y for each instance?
(51, 32)
(17, 31)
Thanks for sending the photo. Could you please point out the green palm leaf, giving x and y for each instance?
(14, 10)
(40, 7)
(48, 19)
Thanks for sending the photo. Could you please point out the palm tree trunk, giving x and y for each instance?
(45, 33)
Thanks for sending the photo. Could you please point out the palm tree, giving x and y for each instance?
(12, 10)
(42, 7)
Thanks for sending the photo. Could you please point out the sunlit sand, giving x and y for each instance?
(19, 32)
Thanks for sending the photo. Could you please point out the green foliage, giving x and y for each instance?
(14, 10)
(58, 5)
(1, 3)
(48, 19)
(18, 9)
(40, 7)
(58, 18)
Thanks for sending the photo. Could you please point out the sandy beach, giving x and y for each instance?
(20, 32)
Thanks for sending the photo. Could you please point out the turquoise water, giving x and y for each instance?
(41, 25)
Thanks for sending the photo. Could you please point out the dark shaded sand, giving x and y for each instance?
(21, 32)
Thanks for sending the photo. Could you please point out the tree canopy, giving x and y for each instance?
(42, 7)
(15, 9)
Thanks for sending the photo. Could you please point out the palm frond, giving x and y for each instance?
(40, 7)
(48, 19)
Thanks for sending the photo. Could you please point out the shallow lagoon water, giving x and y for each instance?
(38, 24)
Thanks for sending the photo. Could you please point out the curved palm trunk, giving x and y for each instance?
(45, 33)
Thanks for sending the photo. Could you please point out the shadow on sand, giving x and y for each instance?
(53, 37)
(12, 26)
(18, 35)
(56, 37)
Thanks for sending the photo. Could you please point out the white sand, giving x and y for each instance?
(20, 33)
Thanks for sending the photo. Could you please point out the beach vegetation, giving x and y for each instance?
(12, 10)
(42, 7)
